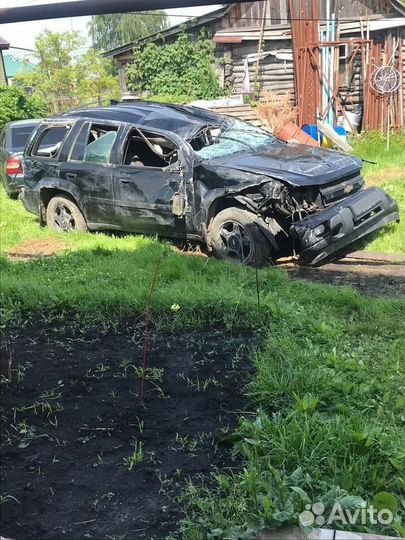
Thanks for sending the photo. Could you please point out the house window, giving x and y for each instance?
(343, 58)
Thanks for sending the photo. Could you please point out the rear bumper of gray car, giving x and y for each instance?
(330, 231)
(13, 184)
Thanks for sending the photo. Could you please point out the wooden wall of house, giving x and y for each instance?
(347, 9)
(274, 74)
(249, 14)
(277, 75)
(3, 78)
(356, 8)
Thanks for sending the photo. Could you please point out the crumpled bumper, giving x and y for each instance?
(330, 231)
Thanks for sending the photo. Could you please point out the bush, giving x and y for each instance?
(15, 105)
(183, 68)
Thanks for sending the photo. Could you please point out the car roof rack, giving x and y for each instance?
(97, 103)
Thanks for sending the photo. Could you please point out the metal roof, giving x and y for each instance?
(180, 119)
(14, 65)
(168, 32)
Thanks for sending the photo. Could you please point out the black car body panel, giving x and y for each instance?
(299, 165)
(13, 139)
(169, 169)
(332, 230)
(183, 120)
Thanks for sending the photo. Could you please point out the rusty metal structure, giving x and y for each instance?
(315, 77)
(383, 111)
(305, 29)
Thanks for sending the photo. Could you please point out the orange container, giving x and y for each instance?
(291, 132)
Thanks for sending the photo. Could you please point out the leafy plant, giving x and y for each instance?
(22, 434)
(183, 68)
(16, 105)
(136, 457)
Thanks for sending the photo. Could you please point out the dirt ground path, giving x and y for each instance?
(377, 274)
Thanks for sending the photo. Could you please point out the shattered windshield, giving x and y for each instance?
(235, 136)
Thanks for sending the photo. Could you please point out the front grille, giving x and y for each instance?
(342, 189)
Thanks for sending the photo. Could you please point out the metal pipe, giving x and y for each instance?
(332, 69)
(83, 8)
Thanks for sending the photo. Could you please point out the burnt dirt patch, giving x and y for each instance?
(36, 249)
(82, 457)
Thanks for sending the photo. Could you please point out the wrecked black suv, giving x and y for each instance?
(187, 173)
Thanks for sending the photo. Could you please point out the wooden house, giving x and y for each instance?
(4, 45)
(239, 33)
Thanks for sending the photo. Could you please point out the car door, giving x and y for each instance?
(89, 168)
(42, 154)
(145, 182)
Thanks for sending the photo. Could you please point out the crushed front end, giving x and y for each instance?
(329, 231)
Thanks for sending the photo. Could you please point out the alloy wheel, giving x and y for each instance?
(236, 241)
(63, 218)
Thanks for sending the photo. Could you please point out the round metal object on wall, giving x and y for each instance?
(385, 80)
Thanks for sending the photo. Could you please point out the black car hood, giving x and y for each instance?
(298, 165)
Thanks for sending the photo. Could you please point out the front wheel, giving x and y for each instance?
(63, 215)
(235, 235)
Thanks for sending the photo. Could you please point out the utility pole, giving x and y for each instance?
(83, 8)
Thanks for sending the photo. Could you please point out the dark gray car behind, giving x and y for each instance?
(13, 138)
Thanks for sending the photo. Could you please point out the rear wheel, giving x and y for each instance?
(63, 214)
(235, 235)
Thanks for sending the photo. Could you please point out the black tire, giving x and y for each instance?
(63, 215)
(235, 235)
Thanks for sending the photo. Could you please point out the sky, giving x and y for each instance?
(24, 34)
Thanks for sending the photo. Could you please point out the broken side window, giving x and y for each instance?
(237, 136)
(100, 143)
(50, 141)
(146, 149)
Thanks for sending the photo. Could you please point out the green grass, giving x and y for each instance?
(329, 392)
(392, 238)
(388, 172)
(328, 387)
(372, 146)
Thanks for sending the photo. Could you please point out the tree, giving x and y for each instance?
(15, 105)
(109, 31)
(65, 79)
